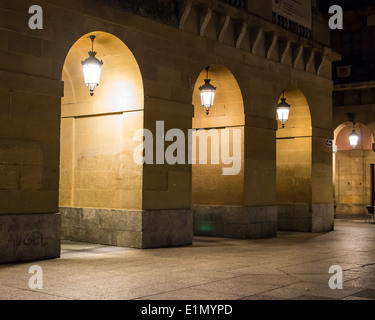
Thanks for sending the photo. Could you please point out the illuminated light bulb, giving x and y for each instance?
(92, 69)
(207, 92)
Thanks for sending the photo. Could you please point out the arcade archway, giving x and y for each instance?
(218, 183)
(353, 170)
(99, 181)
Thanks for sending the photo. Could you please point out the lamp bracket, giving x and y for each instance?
(351, 117)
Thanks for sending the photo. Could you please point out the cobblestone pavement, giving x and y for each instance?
(291, 266)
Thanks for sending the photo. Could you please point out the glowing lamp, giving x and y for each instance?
(353, 139)
(92, 69)
(283, 109)
(207, 92)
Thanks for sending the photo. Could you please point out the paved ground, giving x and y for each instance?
(292, 266)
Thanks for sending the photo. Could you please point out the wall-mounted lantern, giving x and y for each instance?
(92, 68)
(283, 109)
(207, 92)
(353, 138)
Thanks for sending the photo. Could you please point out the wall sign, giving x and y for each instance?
(298, 11)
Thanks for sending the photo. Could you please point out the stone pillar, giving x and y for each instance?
(26, 237)
(29, 158)
(166, 216)
(322, 187)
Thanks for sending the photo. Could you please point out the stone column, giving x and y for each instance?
(29, 154)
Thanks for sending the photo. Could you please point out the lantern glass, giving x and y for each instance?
(283, 109)
(92, 69)
(207, 92)
(283, 114)
(353, 139)
(207, 98)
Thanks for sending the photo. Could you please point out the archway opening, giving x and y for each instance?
(294, 165)
(218, 180)
(353, 170)
(98, 177)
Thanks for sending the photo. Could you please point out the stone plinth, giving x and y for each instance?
(304, 217)
(26, 237)
(128, 228)
(235, 222)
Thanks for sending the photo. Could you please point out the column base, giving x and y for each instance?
(305, 217)
(167, 228)
(235, 222)
(128, 228)
(323, 217)
(29, 237)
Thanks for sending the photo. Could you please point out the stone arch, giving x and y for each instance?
(99, 181)
(299, 122)
(341, 136)
(121, 80)
(228, 107)
(214, 191)
(353, 170)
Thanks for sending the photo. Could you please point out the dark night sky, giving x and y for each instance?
(346, 4)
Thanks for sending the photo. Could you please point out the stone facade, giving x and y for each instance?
(152, 201)
(353, 108)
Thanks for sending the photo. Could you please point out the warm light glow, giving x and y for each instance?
(92, 69)
(353, 138)
(121, 94)
(207, 92)
(283, 109)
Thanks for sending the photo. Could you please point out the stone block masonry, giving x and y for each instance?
(235, 222)
(25, 237)
(128, 228)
